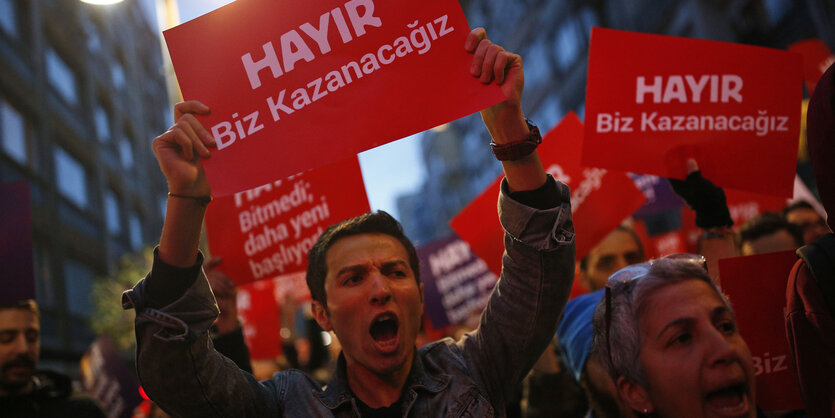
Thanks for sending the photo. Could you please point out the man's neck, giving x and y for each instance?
(376, 390)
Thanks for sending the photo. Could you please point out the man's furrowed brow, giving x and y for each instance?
(352, 269)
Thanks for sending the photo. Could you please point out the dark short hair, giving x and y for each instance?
(767, 224)
(800, 204)
(27, 304)
(378, 222)
(584, 262)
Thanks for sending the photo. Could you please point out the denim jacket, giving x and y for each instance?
(181, 371)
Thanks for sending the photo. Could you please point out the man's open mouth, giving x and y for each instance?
(384, 329)
(730, 400)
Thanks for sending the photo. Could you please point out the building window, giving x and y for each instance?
(78, 284)
(71, 178)
(135, 231)
(61, 77)
(44, 289)
(13, 129)
(567, 43)
(538, 67)
(93, 39)
(111, 213)
(102, 124)
(118, 74)
(8, 14)
(549, 113)
(126, 153)
(776, 10)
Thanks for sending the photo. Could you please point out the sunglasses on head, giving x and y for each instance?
(630, 275)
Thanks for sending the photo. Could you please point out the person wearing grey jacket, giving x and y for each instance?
(364, 280)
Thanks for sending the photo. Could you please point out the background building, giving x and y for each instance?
(82, 94)
(553, 38)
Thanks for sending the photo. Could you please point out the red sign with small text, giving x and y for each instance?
(600, 199)
(260, 319)
(761, 318)
(816, 59)
(654, 101)
(267, 231)
(296, 85)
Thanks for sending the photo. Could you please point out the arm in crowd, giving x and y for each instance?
(717, 239)
(538, 264)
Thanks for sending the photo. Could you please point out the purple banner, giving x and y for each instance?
(16, 243)
(456, 283)
(107, 377)
(660, 196)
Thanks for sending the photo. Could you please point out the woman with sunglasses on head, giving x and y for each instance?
(669, 340)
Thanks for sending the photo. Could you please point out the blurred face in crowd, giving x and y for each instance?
(810, 222)
(694, 358)
(780, 240)
(618, 250)
(374, 303)
(20, 346)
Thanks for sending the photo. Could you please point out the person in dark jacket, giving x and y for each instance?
(25, 391)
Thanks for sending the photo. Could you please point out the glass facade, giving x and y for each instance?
(13, 133)
(71, 178)
(61, 77)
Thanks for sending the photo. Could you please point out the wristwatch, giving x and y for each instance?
(518, 149)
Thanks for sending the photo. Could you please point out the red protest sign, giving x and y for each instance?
(760, 315)
(600, 199)
(260, 319)
(816, 59)
(265, 232)
(295, 85)
(654, 101)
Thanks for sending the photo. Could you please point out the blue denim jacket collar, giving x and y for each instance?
(337, 392)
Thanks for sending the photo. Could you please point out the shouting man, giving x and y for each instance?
(365, 282)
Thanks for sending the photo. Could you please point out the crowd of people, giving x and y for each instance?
(650, 338)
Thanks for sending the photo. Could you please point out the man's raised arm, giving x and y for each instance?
(179, 152)
(505, 121)
(538, 264)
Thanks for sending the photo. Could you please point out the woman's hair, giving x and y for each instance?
(628, 302)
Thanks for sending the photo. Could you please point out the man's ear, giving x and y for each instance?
(635, 396)
(320, 313)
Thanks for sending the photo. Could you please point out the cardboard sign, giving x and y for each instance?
(816, 59)
(260, 319)
(760, 315)
(600, 199)
(296, 85)
(16, 243)
(654, 101)
(105, 375)
(456, 283)
(267, 231)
